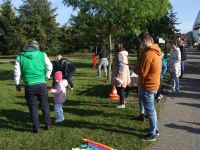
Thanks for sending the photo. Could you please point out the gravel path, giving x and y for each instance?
(179, 121)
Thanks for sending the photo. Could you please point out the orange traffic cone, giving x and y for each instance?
(113, 95)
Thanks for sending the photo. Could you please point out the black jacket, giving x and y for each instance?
(63, 65)
(102, 52)
(183, 53)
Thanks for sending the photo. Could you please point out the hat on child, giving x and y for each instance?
(58, 75)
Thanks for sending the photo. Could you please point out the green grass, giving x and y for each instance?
(88, 114)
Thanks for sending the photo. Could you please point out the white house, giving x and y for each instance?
(196, 28)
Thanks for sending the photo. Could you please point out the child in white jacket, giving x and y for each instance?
(59, 92)
(175, 67)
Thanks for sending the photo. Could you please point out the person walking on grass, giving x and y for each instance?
(149, 70)
(103, 61)
(59, 92)
(67, 67)
(175, 67)
(34, 67)
(120, 72)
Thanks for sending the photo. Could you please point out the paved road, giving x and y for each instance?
(180, 115)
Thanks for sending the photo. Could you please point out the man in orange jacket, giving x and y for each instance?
(149, 70)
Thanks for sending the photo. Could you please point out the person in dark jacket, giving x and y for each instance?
(67, 67)
(164, 70)
(183, 59)
(103, 61)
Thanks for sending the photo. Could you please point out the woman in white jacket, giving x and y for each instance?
(175, 67)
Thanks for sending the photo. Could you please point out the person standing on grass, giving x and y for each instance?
(67, 67)
(120, 72)
(149, 70)
(141, 116)
(175, 67)
(94, 61)
(35, 68)
(103, 61)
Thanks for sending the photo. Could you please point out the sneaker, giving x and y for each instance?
(160, 97)
(59, 120)
(120, 106)
(47, 127)
(172, 91)
(71, 89)
(149, 137)
(36, 130)
(157, 133)
(141, 117)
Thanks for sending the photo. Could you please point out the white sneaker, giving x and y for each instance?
(160, 97)
(59, 120)
(120, 106)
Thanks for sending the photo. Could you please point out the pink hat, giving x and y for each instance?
(58, 75)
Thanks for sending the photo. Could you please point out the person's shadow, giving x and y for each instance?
(15, 120)
(183, 127)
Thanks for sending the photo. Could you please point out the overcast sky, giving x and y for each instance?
(187, 11)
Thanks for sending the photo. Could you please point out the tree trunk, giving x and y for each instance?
(110, 57)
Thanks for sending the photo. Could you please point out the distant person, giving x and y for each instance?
(149, 70)
(94, 61)
(35, 68)
(59, 92)
(103, 61)
(164, 70)
(120, 72)
(183, 58)
(175, 67)
(67, 67)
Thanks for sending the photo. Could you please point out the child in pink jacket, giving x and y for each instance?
(59, 92)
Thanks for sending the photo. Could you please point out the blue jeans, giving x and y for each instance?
(141, 106)
(175, 82)
(148, 99)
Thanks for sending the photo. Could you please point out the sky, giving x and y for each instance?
(186, 10)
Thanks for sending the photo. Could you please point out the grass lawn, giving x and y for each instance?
(88, 114)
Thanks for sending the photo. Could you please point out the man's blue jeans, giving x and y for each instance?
(148, 99)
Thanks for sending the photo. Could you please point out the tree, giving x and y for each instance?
(116, 16)
(7, 27)
(37, 20)
(165, 27)
(83, 31)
